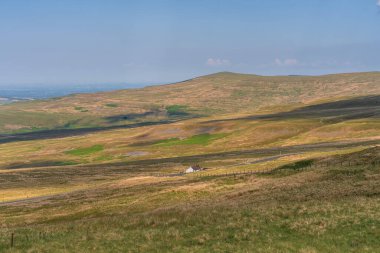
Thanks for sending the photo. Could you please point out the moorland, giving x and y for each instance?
(292, 165)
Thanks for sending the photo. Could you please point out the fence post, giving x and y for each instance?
(12, 240)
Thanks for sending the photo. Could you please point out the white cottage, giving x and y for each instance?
(192, 169)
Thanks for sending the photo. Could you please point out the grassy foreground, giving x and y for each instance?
(332, 209)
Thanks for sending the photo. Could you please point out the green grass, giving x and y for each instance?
(200, 139)
(176, 110)
(237, 231)
(85, 151)
(168, 142)
(81, 109)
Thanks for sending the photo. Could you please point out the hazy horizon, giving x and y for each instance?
(53, 43)
(38, 91)
(44, 91)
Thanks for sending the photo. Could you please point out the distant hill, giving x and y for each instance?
(220, 93)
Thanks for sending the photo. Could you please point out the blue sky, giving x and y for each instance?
(58, 42)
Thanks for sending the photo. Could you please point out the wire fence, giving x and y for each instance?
(14, 239)
(204, 173)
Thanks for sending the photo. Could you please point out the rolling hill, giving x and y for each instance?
(211, 95)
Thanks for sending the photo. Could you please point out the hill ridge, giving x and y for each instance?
(215, 94)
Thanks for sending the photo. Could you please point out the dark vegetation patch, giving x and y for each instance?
(366, 156)
(71, 130)
(112, 105)
(290, 169)
(81, 109)
(72, 124)
(177, 110)
(333, 112)
(174, 112)
(345, 172)
(130, 116)
(37, 164)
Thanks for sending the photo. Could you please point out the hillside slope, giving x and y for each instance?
(354, 121)
(220, 93)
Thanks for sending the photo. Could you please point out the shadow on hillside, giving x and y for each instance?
(61, 133)
(129, 116)
(333, 112)
(38, 164)
(136, 116)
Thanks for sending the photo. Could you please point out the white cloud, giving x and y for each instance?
(278, 62)
(286, 62)
(378, 3)
(217, 62)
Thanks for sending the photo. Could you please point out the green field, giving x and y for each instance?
(85, 151)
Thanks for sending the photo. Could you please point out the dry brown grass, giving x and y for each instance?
(214, 94)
